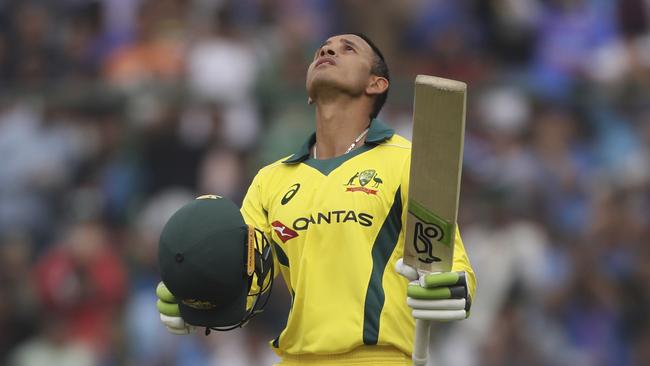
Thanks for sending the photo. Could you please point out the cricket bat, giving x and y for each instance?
(434, 188)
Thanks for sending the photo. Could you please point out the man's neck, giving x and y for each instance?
(338, 124)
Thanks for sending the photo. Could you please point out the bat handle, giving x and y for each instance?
(421, 347)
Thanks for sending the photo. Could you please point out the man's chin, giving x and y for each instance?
(323, 83)
(323, 77)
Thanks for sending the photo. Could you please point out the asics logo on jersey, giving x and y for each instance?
(358, 182)
(283, 232)
(290, 193)
(333, 217)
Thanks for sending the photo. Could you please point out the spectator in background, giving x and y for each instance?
(510, 251)
(221, 171)
(33, 55)
(564, 166)
(509, 31)
(222, 68)
(40, 149)
(169, 156)
(443, 39)
(81, 45)
(147, 343)
(52, 347)
(498, 152)
(156, 54)
(82, 282)
(4, 57)
(19, 308)
(569, 33)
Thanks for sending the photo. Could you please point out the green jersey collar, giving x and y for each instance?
(378, 133)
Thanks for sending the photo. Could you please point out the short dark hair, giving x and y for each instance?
(379, 68)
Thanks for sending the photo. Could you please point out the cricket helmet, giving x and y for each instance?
(212, 262)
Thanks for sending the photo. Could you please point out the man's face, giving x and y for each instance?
(342, 63)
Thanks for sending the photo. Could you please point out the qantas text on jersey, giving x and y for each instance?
(333, 217)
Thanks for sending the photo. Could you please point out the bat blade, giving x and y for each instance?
(436, 163)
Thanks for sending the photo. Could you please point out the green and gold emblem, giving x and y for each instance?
(366, 176)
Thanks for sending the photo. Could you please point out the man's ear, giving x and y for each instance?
(378, 85)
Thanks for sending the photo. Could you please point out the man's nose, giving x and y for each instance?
(328, 51)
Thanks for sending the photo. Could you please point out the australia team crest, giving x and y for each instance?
(366, 181)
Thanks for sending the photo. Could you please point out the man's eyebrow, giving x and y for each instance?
(349, 43)
(344, 40)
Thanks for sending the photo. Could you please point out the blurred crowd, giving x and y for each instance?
(114, 113)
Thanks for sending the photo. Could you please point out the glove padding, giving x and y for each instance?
(170, 315)
(436, 296)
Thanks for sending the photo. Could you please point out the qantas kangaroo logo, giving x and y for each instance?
(283, 232)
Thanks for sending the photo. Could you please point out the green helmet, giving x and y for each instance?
(209, 259)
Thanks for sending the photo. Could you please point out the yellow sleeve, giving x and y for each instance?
(461, 263)
(255, 213)
(253, 208)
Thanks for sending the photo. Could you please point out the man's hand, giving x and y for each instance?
(170, 316)
(436, 296)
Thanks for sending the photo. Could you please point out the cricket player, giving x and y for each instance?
(334, 212)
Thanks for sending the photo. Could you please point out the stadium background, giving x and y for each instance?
(113, 113)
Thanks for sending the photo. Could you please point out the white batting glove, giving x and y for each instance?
(170, 315)
(436, 296)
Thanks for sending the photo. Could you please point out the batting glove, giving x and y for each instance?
(170, 315)
(436, 296)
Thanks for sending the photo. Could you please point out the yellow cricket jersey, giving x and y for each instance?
(337, 228)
